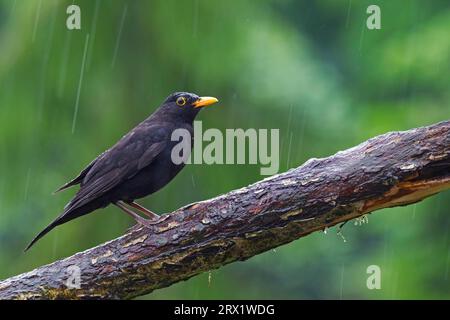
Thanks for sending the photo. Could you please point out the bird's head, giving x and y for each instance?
(185, 105)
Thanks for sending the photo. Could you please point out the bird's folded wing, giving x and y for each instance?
(80, 176)
(132, 153)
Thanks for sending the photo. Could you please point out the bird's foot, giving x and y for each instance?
(140, 220)
(150, 222)
(146, 222)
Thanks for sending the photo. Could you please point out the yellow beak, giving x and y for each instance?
(204, 101)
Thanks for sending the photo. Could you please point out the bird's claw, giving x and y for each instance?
(148, 223)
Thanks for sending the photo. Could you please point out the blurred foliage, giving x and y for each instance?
(310, 68)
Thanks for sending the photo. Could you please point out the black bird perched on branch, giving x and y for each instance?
(139, 164)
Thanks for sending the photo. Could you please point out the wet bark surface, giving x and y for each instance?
(393, 169)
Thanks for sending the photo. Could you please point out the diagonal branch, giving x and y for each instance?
(390, 170)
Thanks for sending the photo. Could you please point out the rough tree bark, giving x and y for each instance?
(393, 169)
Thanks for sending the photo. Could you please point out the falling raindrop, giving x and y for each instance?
(394, 285)
(302, 131)
(55, 245)
(119, 35)
(36, 19)
(92, 33)
(80, 82)
(27, 183)
(341, 288)
(209, 278)
(361, 38)
(288, 131)
(447, 264)
(348, 13)
(447, 261)
(1, 200)
(289, 151)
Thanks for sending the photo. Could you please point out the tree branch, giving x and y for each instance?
(390, 170)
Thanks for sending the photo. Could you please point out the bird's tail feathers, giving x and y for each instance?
(43, 233)
(67, 185)
(68, 214)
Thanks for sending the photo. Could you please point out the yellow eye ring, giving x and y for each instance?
(181, 101)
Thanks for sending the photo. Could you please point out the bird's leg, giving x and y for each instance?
(144, 210)
(133, 214)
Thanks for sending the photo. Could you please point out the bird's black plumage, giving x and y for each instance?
(139, 164)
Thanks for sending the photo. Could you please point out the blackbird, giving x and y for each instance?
(139, 164)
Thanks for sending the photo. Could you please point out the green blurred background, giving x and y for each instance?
(310, 68)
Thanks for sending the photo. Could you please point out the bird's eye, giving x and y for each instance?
(181, 101)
